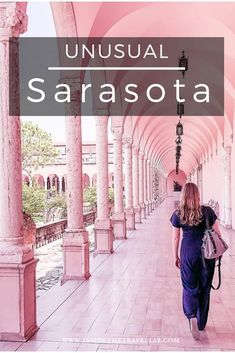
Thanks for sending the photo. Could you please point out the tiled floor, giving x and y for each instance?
(132, 301)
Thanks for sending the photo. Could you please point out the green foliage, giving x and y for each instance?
(40, 207)
(56, 201)
(34, 200)
(37, 148)
(89, 195)
(56, 206)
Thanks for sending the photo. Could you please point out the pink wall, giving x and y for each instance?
(214, 180)
(233, 183)
(212, 176)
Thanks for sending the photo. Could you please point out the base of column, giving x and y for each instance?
(152, 205)
(130, 219)
(226, 225)
(17, 294)
(143, 210)
(226, 220)
(119, 225)
(103, 236)
(147, 211)
(137, 211)
(76, 255)
(17, 337)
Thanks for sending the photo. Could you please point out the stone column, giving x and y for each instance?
(163, 188)
(75, 240)
(146, 182)
(227, 204)
(136, 203)
(149, 185)
(103, 224)
(157, 188)
(154, 188)
(200, 181)
(141, 184)
(160, 188)
(118, 217)
(17, 263)
(129, 210)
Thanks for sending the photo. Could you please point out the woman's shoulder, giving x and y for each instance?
(206, 209)
(175, 220)
(208, 212)
(176, 212)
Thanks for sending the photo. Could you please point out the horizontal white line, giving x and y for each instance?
(125, 68)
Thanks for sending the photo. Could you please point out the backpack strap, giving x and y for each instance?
(213, 242)
(207, 223)
(203, 258)
(219, 274)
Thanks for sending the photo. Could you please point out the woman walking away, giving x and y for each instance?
(196, 278)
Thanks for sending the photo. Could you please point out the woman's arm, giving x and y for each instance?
(175, 245)
(217, 228)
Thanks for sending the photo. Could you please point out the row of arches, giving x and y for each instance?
(60, 183)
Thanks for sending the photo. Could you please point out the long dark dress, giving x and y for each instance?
(196, 279)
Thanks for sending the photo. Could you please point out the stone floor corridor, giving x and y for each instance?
(132, 301)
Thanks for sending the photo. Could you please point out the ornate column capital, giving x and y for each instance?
(141, 155)
(117, 132)
(101, 112)
(135, 150)
(102, 120)
(127, 142)
(13, 20)
(228, 150)
(231, 138)
(226, 154)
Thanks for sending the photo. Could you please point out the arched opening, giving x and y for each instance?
(48, 183)
(53, 182)
(175, 182)
(86, 181)
(111, 180)
(38, 180)
(26, 179)
(94, 180)
(63, 183)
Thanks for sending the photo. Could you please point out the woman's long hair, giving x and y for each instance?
(189, 209)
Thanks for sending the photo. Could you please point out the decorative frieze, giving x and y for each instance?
(13, 20)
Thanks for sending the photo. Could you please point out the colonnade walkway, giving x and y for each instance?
(132, 301)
